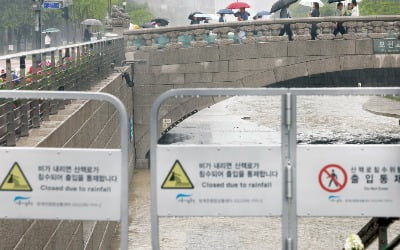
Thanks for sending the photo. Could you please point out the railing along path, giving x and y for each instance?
(247, 32)
(73, 67)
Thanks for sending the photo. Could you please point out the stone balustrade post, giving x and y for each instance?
(376, 29)
(263, 31)
(223, 35)
(173, 41)
(301, 31)
(148, 43)
(250, 36)
(325, 31)
(199, 40)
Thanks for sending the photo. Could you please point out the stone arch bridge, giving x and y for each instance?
(252, 54)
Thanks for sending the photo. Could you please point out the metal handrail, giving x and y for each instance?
(77, 67)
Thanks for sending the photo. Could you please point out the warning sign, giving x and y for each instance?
(177, 178)
(15, 180)
(71, 184)
(332, 178)
(218, 180)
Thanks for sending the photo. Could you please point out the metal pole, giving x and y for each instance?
(38, 26)
(109, 9)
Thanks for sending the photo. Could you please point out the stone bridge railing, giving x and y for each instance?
(261, 31)
(73, 67)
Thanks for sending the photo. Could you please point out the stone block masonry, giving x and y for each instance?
(261, 64)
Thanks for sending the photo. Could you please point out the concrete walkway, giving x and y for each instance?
(383, 106)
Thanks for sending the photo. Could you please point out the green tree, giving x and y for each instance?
(379, 7)
(139, 14)
(16, 17)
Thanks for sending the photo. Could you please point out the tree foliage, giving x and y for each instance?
(379, 7)
(17, 17)
(139, 14)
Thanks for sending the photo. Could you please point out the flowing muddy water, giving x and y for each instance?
(256, 120)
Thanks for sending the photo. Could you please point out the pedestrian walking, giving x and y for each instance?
(286, 27)
(314, 13)
(355, 11)
(349, 9)
(339, 25)
(47, 40)
(221, 18)
(86, 34)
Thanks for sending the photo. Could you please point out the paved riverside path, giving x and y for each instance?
(245, 233)
(383, 106)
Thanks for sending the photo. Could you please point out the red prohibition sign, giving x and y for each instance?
(339, 184)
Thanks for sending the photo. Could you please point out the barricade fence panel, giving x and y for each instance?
(299, 180)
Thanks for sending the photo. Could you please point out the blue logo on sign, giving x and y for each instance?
(23, 201)
(334, 198)
(185, 198)
(21, 198)
(178, 196)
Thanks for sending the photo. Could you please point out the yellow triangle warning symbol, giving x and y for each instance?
(15, 180)
(177, 178)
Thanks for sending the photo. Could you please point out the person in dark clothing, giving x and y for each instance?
(314, 13)
(221, 18)
(339, 25)
(86, 34)
(195, 20)
(242, 15)
(286, 27)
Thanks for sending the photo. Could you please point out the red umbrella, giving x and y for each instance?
(238, 5)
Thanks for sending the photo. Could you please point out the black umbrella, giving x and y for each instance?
(191, 16)
(334, 1)
(280, 4)
(161, 21)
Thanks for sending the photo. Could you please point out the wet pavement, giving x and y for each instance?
(256, 120)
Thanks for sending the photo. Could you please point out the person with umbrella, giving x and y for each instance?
(286, 27)
(242, 14)
(193, 19)
(47, 40)
(222, 13)
(314, 13)
(86, 34)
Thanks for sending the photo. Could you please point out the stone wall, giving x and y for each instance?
(264, 64)
(83, 124)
